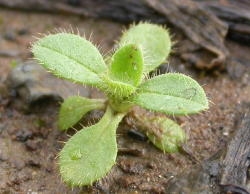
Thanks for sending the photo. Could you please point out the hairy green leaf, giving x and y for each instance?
(125, 72)
(90, 153)
(166, 135)
(127, 65)
(172, 93)
(154, 41)
(74, 108)
(71, 57)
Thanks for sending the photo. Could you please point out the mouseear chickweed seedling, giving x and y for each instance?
(90, 153)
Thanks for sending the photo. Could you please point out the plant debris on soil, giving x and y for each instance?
(30, 140)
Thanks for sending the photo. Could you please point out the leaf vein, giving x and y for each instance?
(71, 58)
(154, 92)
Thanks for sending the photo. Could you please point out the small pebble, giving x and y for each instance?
(23, 135)
(3, 156)
(34, 163)
(14, 180)
(2, 126)
(32, 145)
(17, 163)
(9, 53)
(10, 35)
(225, 133)
(23, 31)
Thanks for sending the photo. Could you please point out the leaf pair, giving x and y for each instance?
(154, 41)
(171, 93)
(141, 49)
(74, 58)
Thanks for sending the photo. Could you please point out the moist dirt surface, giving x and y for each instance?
(30, 142)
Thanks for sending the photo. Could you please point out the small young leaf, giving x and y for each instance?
(71, 57)
(74, 108)
(127, 65)
(169, 136)
(91, 152)
(154, 41)
(172, 93)
(125, 72)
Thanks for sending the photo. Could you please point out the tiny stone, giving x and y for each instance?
(9, 53)
(2, 126)
(23, 31)
(34, 163)
(32, 145)
(17, 163)
(23, 135)
(3, 156)
(10, 35)
(225, 133)
(49, 168)
(24, 176)
(14, 180)
(42, 187)
(151, 165)
(31, 192)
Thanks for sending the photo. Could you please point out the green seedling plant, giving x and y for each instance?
(124, 77)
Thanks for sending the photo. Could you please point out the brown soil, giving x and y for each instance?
(29, 143)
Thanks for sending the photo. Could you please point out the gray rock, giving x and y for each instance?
(10, 35)
(30, 83)
(9, 53)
